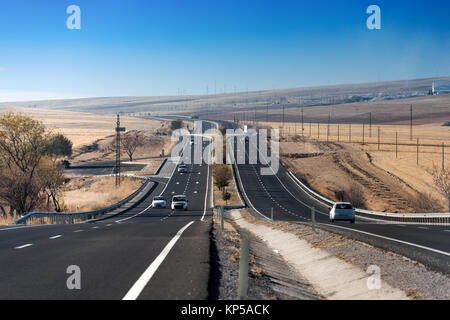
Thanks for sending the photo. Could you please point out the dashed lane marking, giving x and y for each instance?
(24, 246)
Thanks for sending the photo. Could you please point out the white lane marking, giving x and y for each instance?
(424, 228)
(140, 284)
(95, 227)
(76, 231)
(24, 246)
(109, 225)
(55, 237)
(146, 209)
(391, 239)
(15, 228)
(206, 195)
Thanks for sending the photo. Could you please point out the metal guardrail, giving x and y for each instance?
(417, 218)
(70, 218)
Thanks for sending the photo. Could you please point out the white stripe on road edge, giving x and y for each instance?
(24, 246)
(206, 195)
(15, 228)
(55, 237)
(137, 288)
(78, 231)
(391, 239)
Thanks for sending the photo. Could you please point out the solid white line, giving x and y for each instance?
(140, 284)
(206, 196)
(391, 239)
(15, 228)
(24, 246)
(78, 231)
(55, 237)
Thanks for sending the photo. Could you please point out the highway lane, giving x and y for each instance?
(427, 244)
(113, 254)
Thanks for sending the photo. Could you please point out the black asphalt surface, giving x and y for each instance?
(425, 243)
(105, 167)
(114, 253)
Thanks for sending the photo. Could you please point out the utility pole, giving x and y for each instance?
(118, 131)
(328, 127)
(370, 124)
(303, 128)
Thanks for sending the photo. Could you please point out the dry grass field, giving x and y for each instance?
(332, 157)
(6, 220)
(85, 128)
(91, 193)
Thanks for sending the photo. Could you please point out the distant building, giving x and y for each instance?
(440, 87)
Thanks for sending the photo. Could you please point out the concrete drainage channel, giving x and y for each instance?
(291, 261)
(244, 267)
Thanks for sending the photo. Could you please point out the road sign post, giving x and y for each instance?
(243, 269)
(119, 129)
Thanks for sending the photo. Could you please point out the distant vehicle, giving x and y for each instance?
(192, 140)
(180, 202)
(342, 211)
(159, 202)
(182, 168)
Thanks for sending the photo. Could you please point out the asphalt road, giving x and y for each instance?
(144, 254)
(425, 243)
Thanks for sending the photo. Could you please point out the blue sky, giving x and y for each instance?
(155, 47)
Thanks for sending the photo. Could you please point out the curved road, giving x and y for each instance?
(425, 243)
(143, 254)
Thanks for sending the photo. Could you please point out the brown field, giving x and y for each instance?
(405, 168)
(6, 220)
(85, 128)
(91, 193)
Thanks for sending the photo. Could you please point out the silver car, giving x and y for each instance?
(183, 168)
(159, 202)
(342, 211)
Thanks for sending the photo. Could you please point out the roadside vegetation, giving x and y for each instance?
(31, 175)
(82, 194)
(225, 191)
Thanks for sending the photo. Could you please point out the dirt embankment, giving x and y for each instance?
(333, 169)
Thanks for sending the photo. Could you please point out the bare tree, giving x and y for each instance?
(222, 176)
(26, 171)
(176, 124)
(441, 178)
(131, 142)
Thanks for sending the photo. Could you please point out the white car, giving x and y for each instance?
(180, 202)
(159, 202)
(342, 211)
